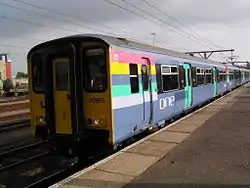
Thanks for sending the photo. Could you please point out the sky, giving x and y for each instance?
(181, 25)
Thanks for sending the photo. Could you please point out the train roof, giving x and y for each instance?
(123, 42)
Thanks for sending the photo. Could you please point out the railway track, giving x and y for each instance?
(31, 165)
(19, 155)
(12, 99)
(14, 125)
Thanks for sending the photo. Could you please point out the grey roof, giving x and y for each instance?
(123, 42)
(128, 43)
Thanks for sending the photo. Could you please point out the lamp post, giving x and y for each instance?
(153, 34)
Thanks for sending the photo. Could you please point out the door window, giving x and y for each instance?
(144, 74)
(62, 77)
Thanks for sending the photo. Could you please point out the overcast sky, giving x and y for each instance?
(205, 25)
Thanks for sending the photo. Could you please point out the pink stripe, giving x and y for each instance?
(130, 57)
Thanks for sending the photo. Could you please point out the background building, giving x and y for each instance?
(5, 67)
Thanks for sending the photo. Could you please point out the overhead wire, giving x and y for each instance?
(180, 23)
(59, 28)
(66, 15)
(44, 15)
(13, 46)
(167, 24)
(44, 8)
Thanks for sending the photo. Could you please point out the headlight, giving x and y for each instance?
(40, 120)
(96, 122)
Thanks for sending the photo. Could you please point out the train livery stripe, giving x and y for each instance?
(125, 90)
(120, 79)
(123, 68)
(125, 55)
(132, 100)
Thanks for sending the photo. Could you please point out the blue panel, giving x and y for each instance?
(167, 111)
(232, 84)
(202, 94)
(122, 79)
(125, 120)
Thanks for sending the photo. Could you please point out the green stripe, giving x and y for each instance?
(125, 90)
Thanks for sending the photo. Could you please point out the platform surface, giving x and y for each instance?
(209, 148)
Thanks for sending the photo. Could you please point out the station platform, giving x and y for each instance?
(208, 148)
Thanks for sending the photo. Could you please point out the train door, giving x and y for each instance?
(61, 88)
(188, 87)
(215, 80)
(147, 91)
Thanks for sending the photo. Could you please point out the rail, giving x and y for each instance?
(27, 153)
(14, 125)
(39, 160)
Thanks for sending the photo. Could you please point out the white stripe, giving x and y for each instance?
(132, 100)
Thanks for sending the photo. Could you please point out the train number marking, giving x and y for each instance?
(97, 100)
(167, 102)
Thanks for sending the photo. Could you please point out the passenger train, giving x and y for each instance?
(90, 92)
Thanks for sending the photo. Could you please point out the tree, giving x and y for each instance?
(21, 75)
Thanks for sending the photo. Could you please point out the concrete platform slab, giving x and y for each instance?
(100, 179)
(105, 176)
(170, 137)
(210, 110)
(125, 164)
(153, 148)
(71, 186)
(221, 103)
(196, 120)
(185, 128)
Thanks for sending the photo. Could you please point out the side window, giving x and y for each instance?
(95, 70)
(158, 78)
(212, 76)
(235, 74)
(208, 76)
(221, 76)
(217, 75)
(231, 75)
(134, 81)
(200, 76)
(37, 67)
(225, 76)
(182, 79)
(189, 78)
(170, 80)
(144, 75)
(194, 79)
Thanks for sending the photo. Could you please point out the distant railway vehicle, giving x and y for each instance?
(95, 91)
(15, 87)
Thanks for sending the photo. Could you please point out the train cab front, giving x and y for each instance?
(70, 93)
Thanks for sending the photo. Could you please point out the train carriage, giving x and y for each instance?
(98, 90)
